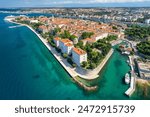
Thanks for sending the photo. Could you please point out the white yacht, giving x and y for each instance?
(127, 78)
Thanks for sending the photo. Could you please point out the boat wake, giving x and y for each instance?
(15, 26)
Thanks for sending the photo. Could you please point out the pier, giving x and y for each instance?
(88, 88)
(131, 89)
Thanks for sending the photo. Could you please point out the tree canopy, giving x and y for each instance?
(87, 35)
(111, 37)
(144, 48)
(137, 33)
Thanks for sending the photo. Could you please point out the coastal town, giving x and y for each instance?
(74, 38)
(84, 46)
(121, 15)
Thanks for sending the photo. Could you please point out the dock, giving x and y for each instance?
(87, 88)
(131, 89)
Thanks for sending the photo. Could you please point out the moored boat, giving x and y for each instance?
(127, 78)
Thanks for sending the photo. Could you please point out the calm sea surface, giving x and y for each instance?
(29, 71)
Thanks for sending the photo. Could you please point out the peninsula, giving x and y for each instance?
(82, 47)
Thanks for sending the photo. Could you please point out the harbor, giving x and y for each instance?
(126, 48)
(131, 89)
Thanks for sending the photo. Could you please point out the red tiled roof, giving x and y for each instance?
(42, 27)
(90, 40)
(57, 38)
(79, 51)
(65, 41)
(69, 44)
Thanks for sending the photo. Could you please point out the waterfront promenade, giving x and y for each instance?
(92, 74)
(73, 72)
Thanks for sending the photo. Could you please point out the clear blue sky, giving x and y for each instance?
(72, 3)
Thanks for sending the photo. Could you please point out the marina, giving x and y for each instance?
(131, 89)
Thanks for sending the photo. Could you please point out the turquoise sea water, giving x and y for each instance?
(29, 71)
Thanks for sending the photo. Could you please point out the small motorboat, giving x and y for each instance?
(127, 78)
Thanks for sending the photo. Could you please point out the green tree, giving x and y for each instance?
(74, 65)
(56, 30)
(84, 64)
(114, 27)
(136, 33)
(87, 35)
(111, 37)
(65, 55)
(88, 48)
(144, 48)
(92, 65)
(65, 34)
(72, 37)
(80, 45)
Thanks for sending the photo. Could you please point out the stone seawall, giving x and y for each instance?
(94, 73)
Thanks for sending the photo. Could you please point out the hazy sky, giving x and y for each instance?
(55, 3)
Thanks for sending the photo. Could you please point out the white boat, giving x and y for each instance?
(127, 78)
(126, 52)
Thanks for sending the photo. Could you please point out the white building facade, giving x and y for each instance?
(67, 48)
(66, 45)
(56, 41)
(78, 56)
